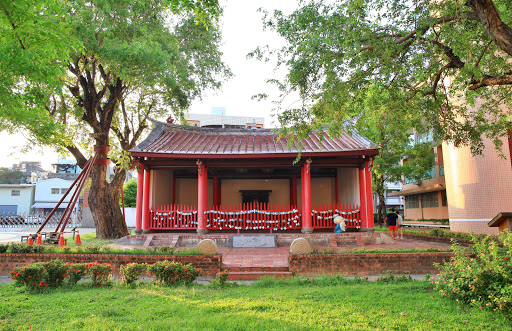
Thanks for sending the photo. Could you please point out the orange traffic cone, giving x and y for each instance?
(30, 240)
(61, 240)
(39, 240)
(78, 241)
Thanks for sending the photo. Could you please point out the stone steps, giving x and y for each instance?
(161, 240)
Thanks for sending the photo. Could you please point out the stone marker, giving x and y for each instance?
(300, 246)
(254, 241)
(207, 246)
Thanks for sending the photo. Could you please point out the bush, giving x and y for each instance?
(56, 272)
(15, 248)
(3, 248)
(170, 273)
(40, 274)
(100, 273)
(76, 271)
(221, 280)
(480, 276)
(32, 276)
(131, 272)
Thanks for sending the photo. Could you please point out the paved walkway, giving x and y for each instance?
(8, 235)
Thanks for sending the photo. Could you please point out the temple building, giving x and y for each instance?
(239, 179)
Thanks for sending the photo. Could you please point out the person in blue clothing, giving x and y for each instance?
(391, 221)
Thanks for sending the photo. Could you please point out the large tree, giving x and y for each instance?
(133, 59)
(443, 56)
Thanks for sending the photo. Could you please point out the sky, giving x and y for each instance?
(242, 31)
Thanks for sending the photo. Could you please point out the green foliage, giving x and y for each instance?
(40, 274)
(32, 276)
(16, 248)
(76, 271)
(170, 273)
(429, 55)
(390, 278)
(381, 251)
(131, 272)
(130, 193)
(443, 221)
(100, 273)
(83, 76)
(221, 280)
(480, 276)
(11, 177)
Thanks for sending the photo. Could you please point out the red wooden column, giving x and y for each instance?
(293, 190)
(140, 188)
(145, 208)
(202, 197)
(362, 197)
(307, 221)
(369, 196)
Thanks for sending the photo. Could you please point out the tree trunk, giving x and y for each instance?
(104, 202)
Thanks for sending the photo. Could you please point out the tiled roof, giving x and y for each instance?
(176, 140)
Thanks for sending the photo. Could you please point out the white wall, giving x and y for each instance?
(24, 201)
(129, 214)
(44, 190)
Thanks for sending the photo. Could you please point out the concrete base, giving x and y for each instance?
(307, 230)
(367, 230)
(138, 231)
(87, 220)
(202, 231)
(146, 231)
(253, 241)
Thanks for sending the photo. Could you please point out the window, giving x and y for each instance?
(55, 190)
(444, 199)
(441, 170)
(412, 201)
(15, 193)
(429, 174)
(63, 190)
(429, 200)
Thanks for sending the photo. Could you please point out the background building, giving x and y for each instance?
(469, 190)
(218, 119)
(16, 199)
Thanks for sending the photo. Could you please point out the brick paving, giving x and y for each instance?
(278, 257)
(255, 257)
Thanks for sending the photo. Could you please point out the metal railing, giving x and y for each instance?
(23, 220)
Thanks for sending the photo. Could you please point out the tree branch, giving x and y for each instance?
(505, 79)
(80, 158)
(489, 17)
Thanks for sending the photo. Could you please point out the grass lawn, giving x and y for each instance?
(265, 305)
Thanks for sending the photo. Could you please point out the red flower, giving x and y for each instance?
(506, 258)
(64, 275)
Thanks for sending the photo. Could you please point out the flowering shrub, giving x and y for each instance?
(131, 272)
(40, 274)
(100, 273)
(221, 279)
(169, 273)
(76, 271)
(32, 276)
(481, 277)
